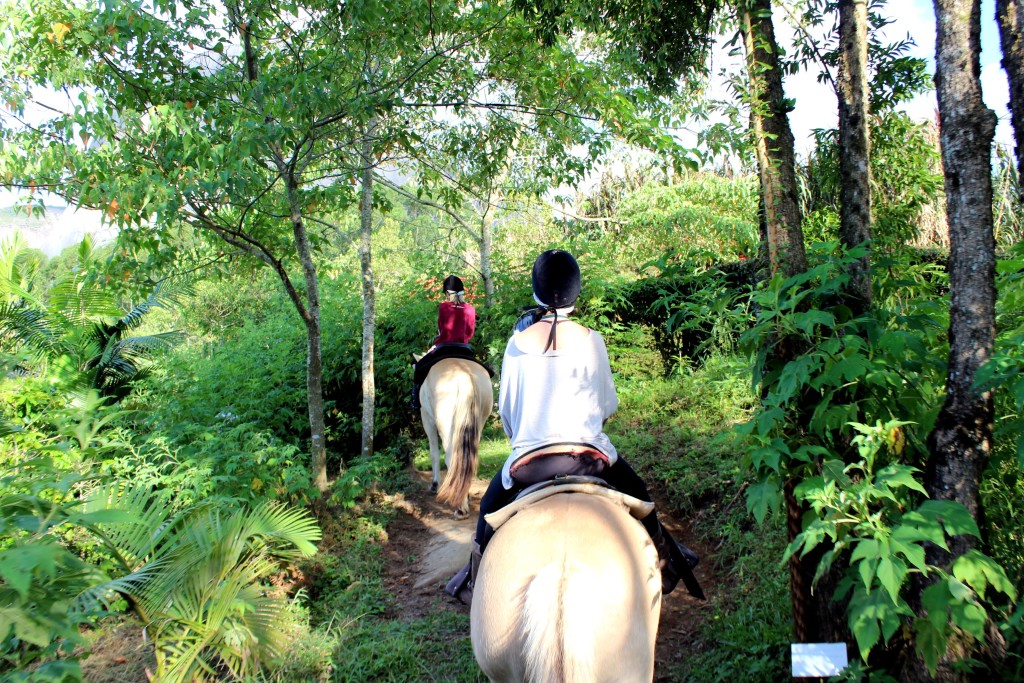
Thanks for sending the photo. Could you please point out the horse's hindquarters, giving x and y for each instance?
(569, 590)
(456, 399)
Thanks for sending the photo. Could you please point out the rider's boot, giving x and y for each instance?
(414, 399)
(677, 562)
(460, 586)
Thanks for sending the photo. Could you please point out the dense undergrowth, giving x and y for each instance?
(220, 421)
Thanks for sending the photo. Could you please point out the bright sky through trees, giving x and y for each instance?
(816, 105)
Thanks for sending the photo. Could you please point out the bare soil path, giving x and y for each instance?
(427, 545)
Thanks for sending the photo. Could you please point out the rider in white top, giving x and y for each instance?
(578, 380)
(556, 393)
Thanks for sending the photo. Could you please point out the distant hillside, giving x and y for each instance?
(60, 228)
(11, 218)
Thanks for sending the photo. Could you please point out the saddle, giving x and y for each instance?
(568, 484)
(449, 350)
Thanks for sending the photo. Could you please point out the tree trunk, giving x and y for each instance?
(773, 139)
(1010, 15)
(781, 233)
(486, 241)
(311, 313)
(962, 435)
(314, 357)
(960, 442)
(854, 171)
(369, 298)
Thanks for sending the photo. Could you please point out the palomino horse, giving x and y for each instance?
(569, 590)
(455, 400)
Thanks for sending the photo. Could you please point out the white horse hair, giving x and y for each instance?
(569, 590)
(455, 401)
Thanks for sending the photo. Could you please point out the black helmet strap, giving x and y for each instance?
(552, 335)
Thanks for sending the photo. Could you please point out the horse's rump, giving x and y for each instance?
(456, 399)
(569, 590)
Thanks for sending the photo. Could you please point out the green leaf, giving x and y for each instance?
(865, 548)
(891, 573)
(937, 599)
(913, 552)
(867, 569)
(762, 498)
(980, 571)
(873, 615)
(930, 642)
(805, 321)
(915, 527)
(20, 564)
(895, 476)
(851, 368)
(809, 488)
(32, 630)
(970, 617)
(953, 516)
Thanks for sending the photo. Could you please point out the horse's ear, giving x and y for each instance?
(417, 356)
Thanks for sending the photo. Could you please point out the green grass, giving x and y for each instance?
(435, 648)
(678, 430)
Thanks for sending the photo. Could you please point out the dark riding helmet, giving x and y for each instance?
(453, 284)
(556, 278)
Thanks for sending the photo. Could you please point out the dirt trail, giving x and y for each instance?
(426, 546)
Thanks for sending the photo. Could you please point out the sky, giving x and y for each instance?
(816, 104)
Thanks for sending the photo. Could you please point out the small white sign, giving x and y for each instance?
(818, 660)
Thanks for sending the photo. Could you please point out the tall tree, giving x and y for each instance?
(773, 138)
(854, 168)
(369, 298)
(962, 436)
(961, 439)
(1010, 15)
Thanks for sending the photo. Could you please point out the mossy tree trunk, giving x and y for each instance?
(773, 138)
(961, 439)
(854, 168)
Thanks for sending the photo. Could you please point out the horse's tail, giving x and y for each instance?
(555, 614)
(463, 446)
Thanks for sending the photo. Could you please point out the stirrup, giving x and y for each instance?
(460, 587)
(677, 563)
(692, 558)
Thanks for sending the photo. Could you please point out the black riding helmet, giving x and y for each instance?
(556, 284)
(556, 279)
(453, 284)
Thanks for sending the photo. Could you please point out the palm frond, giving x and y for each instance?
(149, 529)
(8, 428)
(197, 576)
(75, 301)
(285, 525)
(28, 328)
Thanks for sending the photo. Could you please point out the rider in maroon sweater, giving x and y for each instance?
(456, 323)
(456, 320)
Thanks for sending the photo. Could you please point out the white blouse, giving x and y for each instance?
(561, 396)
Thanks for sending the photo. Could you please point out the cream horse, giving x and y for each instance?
(568, 591)
(455, 400)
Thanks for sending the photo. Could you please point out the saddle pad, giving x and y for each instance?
(637, 508)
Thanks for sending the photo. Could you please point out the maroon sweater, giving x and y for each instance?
(456, 323)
